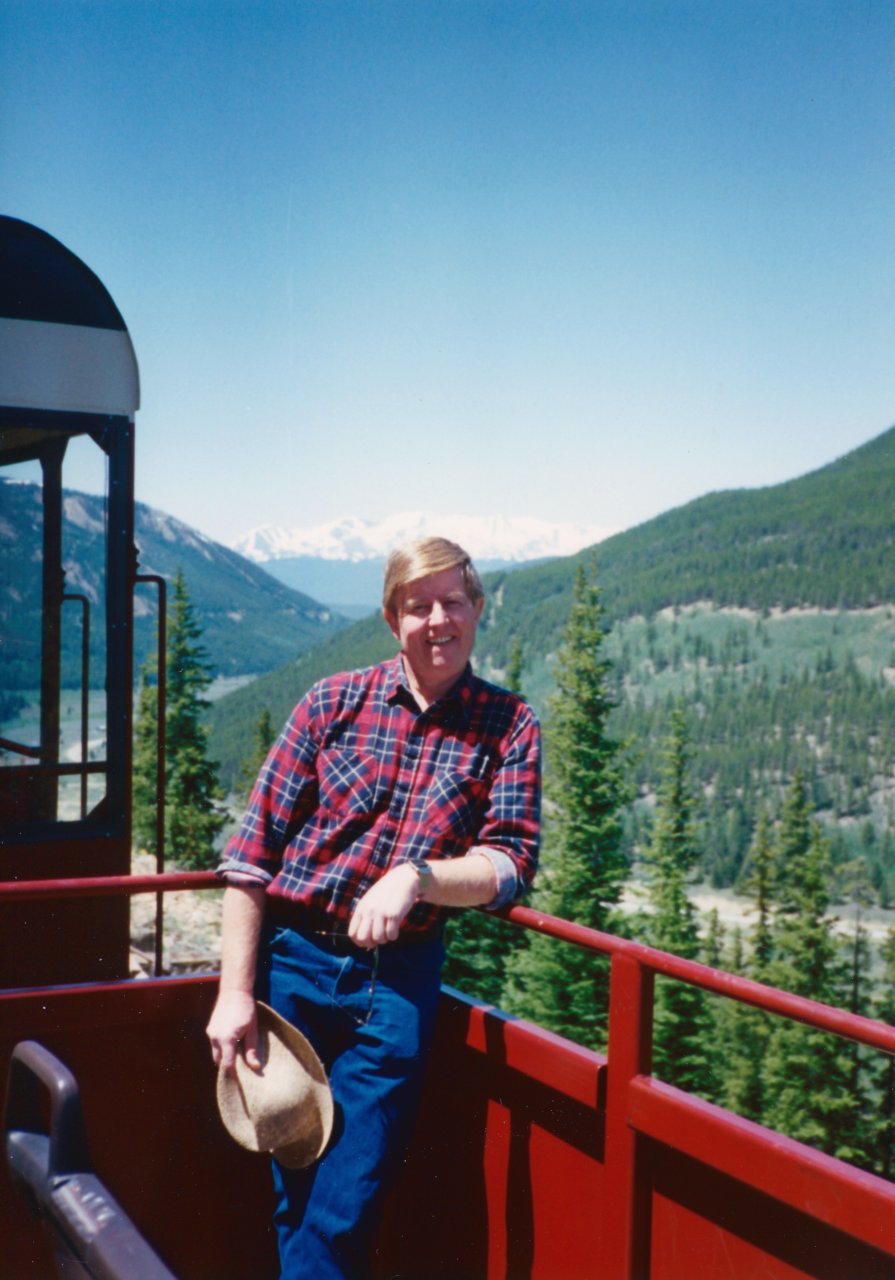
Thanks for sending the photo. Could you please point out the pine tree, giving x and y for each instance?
(713, 947)
(793, 840)
(514, 666)
(683, 1030)
(583, 867)
(807, 1074)
(742, 1031)
(263, 736)
(144, 797)
(803, 942)
(863, 1118)
(719, 1011)
(477, 950)
(884, 1073)
(860, 895)
(758, 883)
(749, 1029)
(192, 818)
(855, 994)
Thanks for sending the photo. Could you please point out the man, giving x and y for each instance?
(391, 794)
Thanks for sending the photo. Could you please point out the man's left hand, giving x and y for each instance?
(380, 913)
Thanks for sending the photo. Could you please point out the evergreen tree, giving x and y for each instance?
(683, 1031)
(793, 841)
(719, 1011)
(749, 1029)
(863, 1117)
(478, 947)
(263, 737)
(855, 994)
(583, 868)
(884, 1073)
(859, 890)
(807, 1074)
(742, 1035)
(758, 884)
(804, 950)
(514, 666)
(192, 819)
(146, 761)
(713, 947)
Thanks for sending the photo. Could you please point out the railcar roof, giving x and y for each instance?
(64, 345)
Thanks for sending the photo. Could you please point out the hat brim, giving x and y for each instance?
(286, 1108)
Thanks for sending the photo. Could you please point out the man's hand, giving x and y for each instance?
(380, 913)
(233, 1023)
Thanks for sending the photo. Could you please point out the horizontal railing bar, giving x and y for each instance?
(528, 1048)
(111, 1002)
(824, 1017)
(845, 1198)
(852, 1026)
(107, 886)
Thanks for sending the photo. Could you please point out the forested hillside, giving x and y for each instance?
(826, 540)
(770, 612)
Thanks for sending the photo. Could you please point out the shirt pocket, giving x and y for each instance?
(457, 796)
(349, 782)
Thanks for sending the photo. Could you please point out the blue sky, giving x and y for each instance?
(578, 261)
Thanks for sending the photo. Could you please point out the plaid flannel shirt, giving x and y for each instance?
(360, 780)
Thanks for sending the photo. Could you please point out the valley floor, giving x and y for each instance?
(737, 911)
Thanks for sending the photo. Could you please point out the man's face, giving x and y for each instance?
(435, 625)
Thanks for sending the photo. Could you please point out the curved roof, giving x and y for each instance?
(63, 343)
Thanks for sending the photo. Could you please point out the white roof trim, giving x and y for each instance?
(67, 367)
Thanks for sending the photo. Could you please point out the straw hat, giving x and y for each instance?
(286, 1108)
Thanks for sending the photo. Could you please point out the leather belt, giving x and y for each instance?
(318, 928)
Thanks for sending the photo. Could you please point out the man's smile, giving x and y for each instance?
(435, 623)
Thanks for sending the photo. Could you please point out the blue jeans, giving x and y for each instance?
(370, 1016)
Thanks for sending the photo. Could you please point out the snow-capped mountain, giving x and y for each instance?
(507, 539)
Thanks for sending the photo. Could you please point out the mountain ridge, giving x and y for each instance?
(511, 539)
(732, 547)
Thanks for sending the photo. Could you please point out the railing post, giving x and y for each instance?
(628, 1196)
(161, 720)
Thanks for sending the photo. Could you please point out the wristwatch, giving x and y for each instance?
(423, 877)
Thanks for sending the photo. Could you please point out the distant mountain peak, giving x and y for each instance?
(504, 538)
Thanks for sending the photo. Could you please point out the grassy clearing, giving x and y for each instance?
(669, 653)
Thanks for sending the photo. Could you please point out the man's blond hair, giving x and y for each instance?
(421, 559)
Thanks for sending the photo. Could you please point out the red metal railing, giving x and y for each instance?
(641, 1113)
(634, 964)
(108, 886)
(161, 747)
(825, 1017)
(639, 1107)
